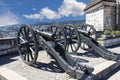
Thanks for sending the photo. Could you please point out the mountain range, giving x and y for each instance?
(11, 30)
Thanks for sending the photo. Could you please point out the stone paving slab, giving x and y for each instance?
(8, 74)
(104, 69)
(99, 68)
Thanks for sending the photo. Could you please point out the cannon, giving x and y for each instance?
(91, 33)
(28, 41)
(74, 42)
(86, 35)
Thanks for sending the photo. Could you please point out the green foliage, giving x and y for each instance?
(113, 32)
(41, 28)
(107, 32)
(117, 32)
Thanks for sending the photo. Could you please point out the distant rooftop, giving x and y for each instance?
(94, 2)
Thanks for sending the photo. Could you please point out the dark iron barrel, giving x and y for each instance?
(58, 34)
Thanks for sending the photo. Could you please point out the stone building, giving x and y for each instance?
(103, 14)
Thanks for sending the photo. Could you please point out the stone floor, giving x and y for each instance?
(48, 69)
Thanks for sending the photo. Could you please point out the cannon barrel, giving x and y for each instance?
(85, 33)
(45, 35)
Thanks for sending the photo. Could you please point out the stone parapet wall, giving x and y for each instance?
(109, 42)
(7, 45)
(8, 51)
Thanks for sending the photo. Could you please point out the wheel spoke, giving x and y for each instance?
(51, 29)
(67, 47)
(28, 58)
(71, 33)
(21, 39)
(31, 53)
(31, 56)
(71, 47)
(25, 32)
(31, 43)
(60, 40)
(73, 40)
(90, 29)
(74, 46)
(55, 31)
(22, 33)
(58, 34)
(25, 55)
(32, 50)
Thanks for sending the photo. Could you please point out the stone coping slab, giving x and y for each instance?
(7, 74)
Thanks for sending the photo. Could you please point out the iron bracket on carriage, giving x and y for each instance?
(59, 42)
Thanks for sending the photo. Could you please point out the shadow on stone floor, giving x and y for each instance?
(5, 59)
(91, 54)
(111, 73)
(53, 66)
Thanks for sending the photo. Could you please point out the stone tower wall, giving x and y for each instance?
(119, 16)
(102, 16)
(96, 18)
(109, 17)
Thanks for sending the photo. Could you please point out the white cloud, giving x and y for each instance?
(33, 16)
(49, 14)
(72, 7)
(1, 4)
(34, 9)
(44, 13)
(9, 19)
(68, 8)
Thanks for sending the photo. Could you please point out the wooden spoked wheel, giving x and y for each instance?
(73, 39)
(59, 35)
(92, 34)
(27, 44)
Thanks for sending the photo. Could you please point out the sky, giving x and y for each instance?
(31, 11)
